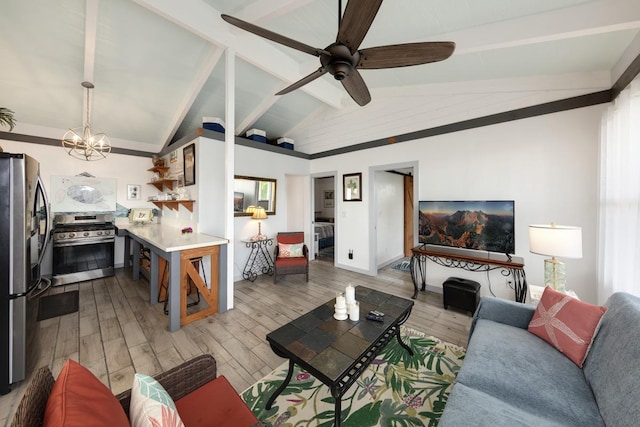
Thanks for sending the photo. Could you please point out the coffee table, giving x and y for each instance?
(337, 352)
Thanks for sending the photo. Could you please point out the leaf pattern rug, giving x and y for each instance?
(396, 389)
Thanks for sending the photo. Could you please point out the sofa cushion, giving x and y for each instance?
(517, 367)
(469, 407)
(151, 405)
(216, 400)
(78, 398)
(290, 250)
(566, 323)
(613, 363)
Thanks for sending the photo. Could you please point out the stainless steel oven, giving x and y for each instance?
(83, 247)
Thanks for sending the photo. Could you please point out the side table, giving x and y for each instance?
(259, 260)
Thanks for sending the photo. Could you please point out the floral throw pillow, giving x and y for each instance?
(290, 251)
(566, 323)
(151, 405)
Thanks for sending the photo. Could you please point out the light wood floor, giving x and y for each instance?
(116, 332)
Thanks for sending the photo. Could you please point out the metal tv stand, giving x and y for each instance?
(469, 260)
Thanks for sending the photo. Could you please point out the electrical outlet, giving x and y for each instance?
(350, 253)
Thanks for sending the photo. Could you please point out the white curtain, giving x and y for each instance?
(619, 210)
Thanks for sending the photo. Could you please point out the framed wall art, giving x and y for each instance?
(189, 157)
(133, 192)
(328, 198)
(352, 187)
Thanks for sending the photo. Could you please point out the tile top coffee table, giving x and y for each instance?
(337, 352)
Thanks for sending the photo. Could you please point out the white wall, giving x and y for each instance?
(389, 194)
(125, 169)
(297, 201)
(265, 164)
(547, 164)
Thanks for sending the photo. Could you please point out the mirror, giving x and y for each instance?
(252, 191)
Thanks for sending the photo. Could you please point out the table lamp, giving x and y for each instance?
(259, 213)
(553, 240)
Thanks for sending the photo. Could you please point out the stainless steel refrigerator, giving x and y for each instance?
(24, 235)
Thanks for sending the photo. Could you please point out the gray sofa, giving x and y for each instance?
(511, 377)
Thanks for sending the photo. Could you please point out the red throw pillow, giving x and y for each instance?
(566, 323)
(78, 398)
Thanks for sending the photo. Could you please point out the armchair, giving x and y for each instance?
(288, 259)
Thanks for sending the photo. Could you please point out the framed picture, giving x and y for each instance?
(133, 192)
(238, 201)
(140, 216)
(352, 187)
(173, 157)
(328, 199)
(189, 157)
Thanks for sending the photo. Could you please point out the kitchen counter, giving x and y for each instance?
(168, 238)
(169, 242)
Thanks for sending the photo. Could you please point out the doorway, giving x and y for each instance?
(324, 218)
(394, 215)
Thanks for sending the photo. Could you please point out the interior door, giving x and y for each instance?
(408, 215)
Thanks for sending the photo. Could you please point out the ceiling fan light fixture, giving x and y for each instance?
(344, 58)
(340, 69)
(82, 142)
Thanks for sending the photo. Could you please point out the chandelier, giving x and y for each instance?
(81, 142)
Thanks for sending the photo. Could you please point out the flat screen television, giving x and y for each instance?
(481, 225)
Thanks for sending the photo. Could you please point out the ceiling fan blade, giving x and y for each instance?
(404, 55)
(270, 35)
(356, 21)
(303, 81)
(357, 88)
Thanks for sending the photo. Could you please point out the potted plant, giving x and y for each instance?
(6, 118)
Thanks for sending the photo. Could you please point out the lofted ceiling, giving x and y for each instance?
(159, 65)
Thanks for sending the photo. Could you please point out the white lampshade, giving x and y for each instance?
(563, 241)
(259, 213)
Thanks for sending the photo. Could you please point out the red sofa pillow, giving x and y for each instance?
(566, 323)
(78, 398)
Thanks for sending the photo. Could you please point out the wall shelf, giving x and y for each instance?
(160, 184)
(159, 169)
(174, 204)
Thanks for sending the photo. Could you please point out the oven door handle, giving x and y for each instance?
(82, 241)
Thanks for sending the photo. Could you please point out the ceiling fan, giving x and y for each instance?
(342, 59)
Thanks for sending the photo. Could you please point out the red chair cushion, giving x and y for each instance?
(215, 403)
(291, 238)
(78, 398)
(289, 262)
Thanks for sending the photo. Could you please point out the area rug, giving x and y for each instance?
(57, 305)
(404, 265)
(396, 390)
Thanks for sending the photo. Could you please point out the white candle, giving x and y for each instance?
(351, 294)
(354, 311)
(341, 302)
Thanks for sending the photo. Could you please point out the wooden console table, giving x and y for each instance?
(448, 257)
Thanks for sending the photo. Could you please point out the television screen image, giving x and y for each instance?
(481, 225)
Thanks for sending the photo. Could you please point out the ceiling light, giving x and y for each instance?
(81, 142)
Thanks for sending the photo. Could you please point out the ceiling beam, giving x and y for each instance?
(196, 86)
(205, 21)
(566, 23)
(255, 114)
(265, 10)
